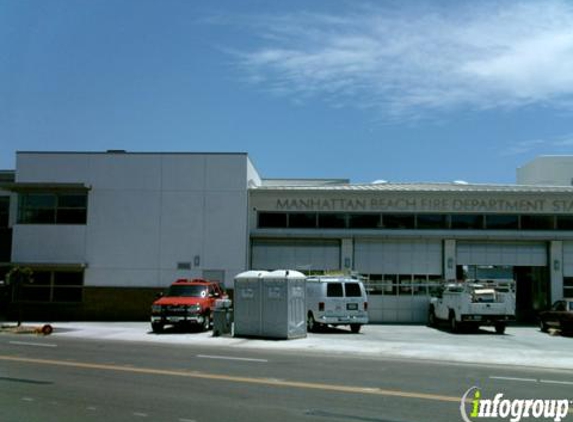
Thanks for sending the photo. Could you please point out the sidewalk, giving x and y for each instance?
(520, 346)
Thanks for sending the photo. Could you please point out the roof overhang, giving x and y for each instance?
(70, 266)
(43, 187)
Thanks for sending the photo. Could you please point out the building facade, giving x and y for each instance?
(406, 238)
(104, 232)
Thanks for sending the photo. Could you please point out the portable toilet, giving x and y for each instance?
(284, 304)
(247, 303)
(270, 304)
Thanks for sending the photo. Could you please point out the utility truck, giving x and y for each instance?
(474, 303)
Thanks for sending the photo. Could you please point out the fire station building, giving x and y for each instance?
(104, 232)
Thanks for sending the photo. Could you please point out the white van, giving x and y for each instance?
(336, 301)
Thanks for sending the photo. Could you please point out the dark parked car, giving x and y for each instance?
(559, 316)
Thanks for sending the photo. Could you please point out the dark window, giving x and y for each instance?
(364, 221)
(41, 278)
(31, 293)
(334, 290)
(565, 222)
(432, 221)
(352, 290)
(537, 222)
(331, 221)
(52, 208)
(467, 221)
(67, 286)
(302, 220)
(5, 245)
(33, 212)
(272, 220)
(399, 221)
(501, 222)
(65, 294)
(71, 216)
(568, 288)
(68, 278)
(53, 286)
(4, 211)
(72, 201)
(71, 209)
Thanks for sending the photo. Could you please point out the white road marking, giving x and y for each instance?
(27, 399)
(92, 408)
(27, 343)
(556, 382)
(232, 358)
(514, 379)
(532, 380)
(187, 420)
(140, 415)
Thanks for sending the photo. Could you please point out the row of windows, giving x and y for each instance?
(402, 284)
(315, 220)
(53, 286)
(52, 208)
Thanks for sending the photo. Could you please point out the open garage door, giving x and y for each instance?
(299, 254)
(525, 262)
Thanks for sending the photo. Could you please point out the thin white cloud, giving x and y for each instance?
(524, 147)
(477, 55)
(557, 145)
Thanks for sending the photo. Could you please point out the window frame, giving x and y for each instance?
(46, 279)
(56, 213)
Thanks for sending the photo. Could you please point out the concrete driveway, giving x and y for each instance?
(521, 346)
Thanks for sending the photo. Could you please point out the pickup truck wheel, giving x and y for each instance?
(157, 327)
(432, 318)
(206, 321)
(500, 328)
(310, 323)
(454, 326)
(542, 326)
(355, 328)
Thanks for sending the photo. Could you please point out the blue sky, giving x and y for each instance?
(393, 90)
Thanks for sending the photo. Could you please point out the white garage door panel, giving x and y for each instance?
(568, 259)
(296, 254)
(507, 253)
(398, 257)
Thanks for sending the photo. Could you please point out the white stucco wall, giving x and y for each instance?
(547, 170)
(146, 214)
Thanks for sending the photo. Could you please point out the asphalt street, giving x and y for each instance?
(57, 378)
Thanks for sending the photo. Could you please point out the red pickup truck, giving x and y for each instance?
(186, 303)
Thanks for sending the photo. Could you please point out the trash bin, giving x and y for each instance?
(222, 318)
